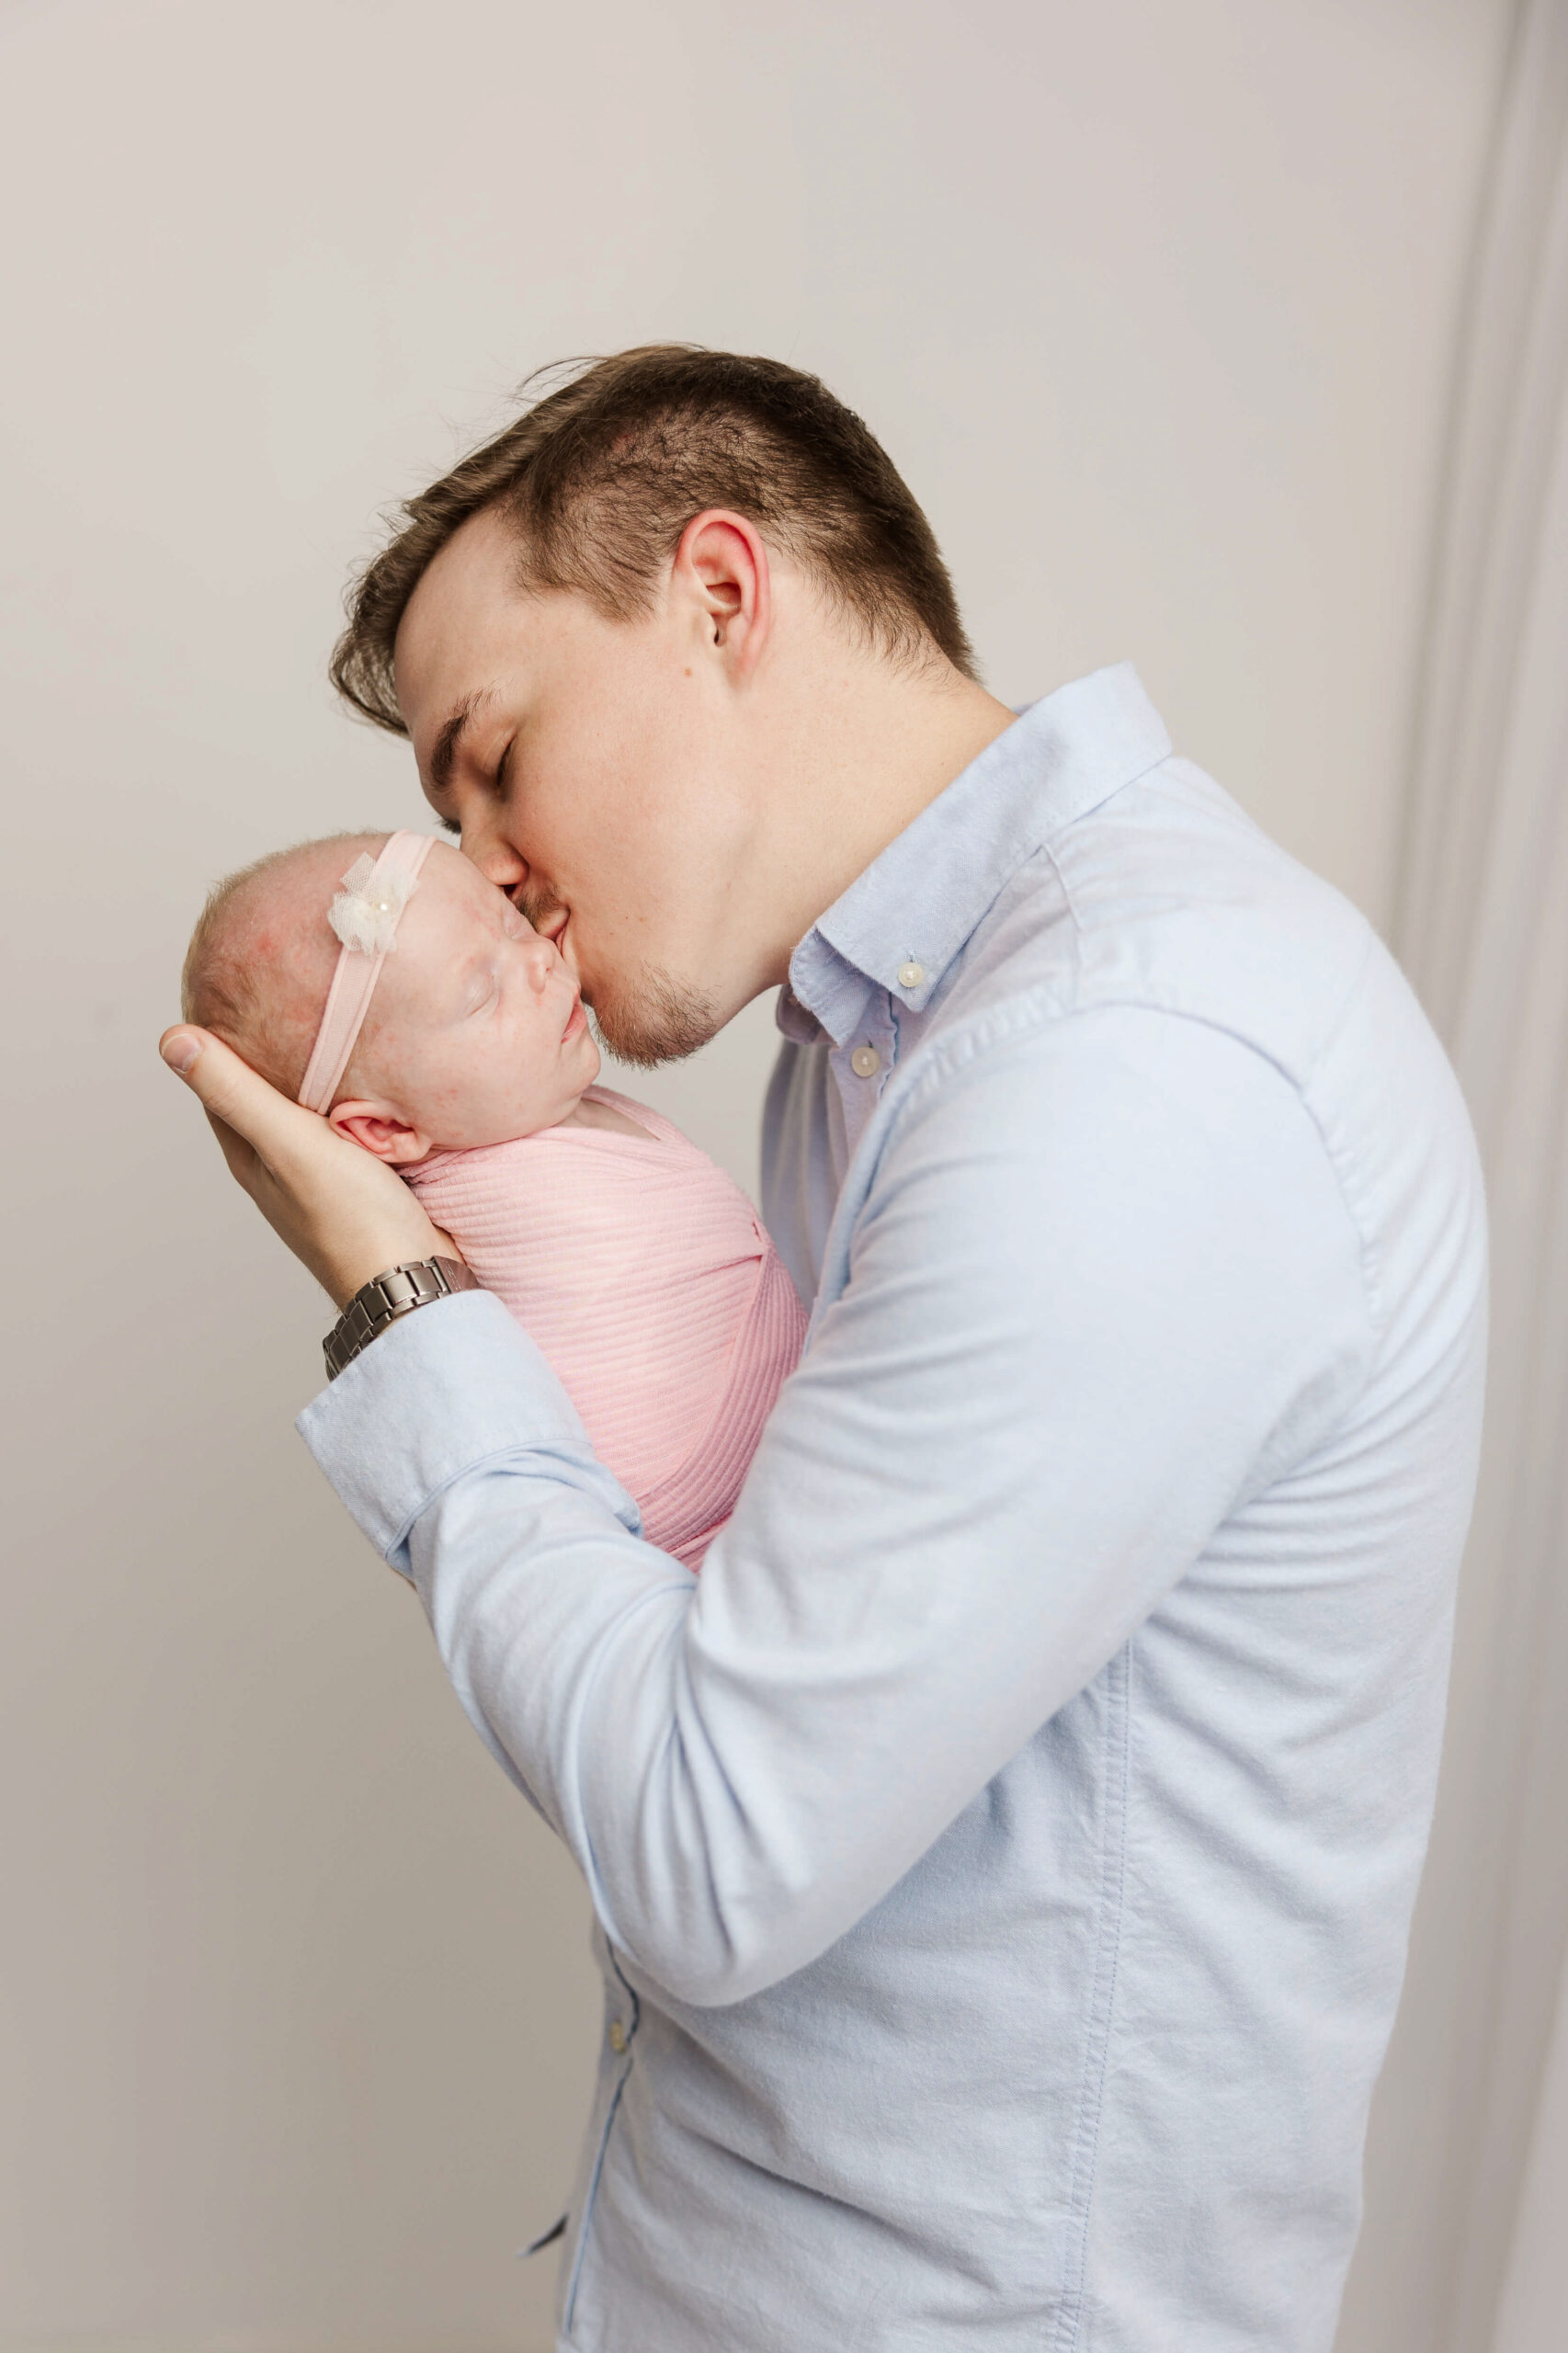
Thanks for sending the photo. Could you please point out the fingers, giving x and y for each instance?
(341, 1211)
(229, 1090)
(242, 1161)
(261, 1132)
(183, 1048)
(267, 1140)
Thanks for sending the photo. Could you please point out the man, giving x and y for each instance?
(1004, 1853)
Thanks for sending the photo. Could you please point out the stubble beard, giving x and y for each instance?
(651, 1018)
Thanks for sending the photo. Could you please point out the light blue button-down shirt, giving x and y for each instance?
(1004, 1853)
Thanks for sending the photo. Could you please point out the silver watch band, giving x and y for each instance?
(381, 1301)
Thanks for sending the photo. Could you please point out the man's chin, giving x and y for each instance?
(653, 1018)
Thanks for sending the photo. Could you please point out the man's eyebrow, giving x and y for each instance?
(445, 750)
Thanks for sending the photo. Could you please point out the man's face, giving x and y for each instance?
(586, 765)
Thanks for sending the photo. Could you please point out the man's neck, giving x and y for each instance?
(874, 746)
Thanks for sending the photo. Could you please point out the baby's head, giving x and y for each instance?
(475, 1032)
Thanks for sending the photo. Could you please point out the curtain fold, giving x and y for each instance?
(1533, 2314)
(1483, 930)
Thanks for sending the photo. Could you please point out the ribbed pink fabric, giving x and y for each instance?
(651, 1284)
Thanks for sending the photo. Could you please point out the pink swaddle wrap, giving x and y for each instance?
(649, 1281)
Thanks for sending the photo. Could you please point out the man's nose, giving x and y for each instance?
(487, 849)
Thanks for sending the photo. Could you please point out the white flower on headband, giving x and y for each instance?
(365, 913)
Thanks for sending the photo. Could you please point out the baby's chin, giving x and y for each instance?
(477, 1131)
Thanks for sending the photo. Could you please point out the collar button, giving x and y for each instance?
(910, 976)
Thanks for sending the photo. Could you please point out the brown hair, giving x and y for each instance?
(601, 475)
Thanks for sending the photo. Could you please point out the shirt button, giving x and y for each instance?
(910, 976)
(616, 2036)
(865, 1061)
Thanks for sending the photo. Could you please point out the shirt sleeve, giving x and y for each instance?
(1104, 1286)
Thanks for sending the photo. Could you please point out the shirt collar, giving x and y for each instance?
(920, 901)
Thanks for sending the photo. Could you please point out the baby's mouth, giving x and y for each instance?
(577, 1020)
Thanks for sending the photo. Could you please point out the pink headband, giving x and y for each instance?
(364, 914)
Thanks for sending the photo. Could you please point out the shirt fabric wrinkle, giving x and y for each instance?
(987, 1848)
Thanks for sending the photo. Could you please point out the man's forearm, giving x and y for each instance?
(1016, 1427)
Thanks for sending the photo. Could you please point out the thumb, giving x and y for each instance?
(180, 1046)
(229, 1090)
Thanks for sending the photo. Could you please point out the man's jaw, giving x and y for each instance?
(652, 1018)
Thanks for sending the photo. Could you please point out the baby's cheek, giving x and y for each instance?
(419, 1072)
(455, 1085)
(473, 1093)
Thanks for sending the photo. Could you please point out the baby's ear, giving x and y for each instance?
(376, 1127)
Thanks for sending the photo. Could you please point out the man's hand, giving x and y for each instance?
(347, 1214)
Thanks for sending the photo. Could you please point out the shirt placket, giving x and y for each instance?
(861, 1067)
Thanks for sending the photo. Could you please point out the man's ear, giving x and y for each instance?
(377, 1127)
(722, 565)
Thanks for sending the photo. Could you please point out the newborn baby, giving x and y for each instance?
(422, 1014)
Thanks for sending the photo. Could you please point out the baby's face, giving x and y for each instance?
(476, 1031)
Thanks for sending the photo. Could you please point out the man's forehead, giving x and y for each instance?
(455, 625)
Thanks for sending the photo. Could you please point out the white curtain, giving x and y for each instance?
(1533, 2314)
(1465, 2248)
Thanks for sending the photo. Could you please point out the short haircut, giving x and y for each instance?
(603, 471)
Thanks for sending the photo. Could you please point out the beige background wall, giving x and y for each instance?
(1153, 302)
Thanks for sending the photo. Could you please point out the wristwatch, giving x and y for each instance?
(381, 1301)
